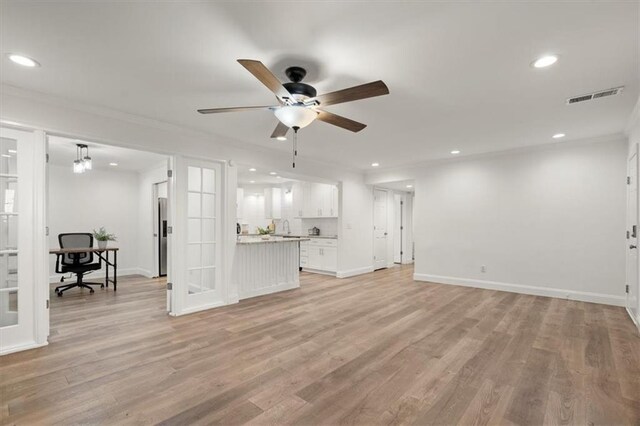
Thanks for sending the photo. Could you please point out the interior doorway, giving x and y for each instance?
(96, 192)
(160, 217)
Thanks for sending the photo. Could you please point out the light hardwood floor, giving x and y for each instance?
(374, 349)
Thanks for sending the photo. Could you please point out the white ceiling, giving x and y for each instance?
(260, 176)
(62, 152)
(398, 185)
(459, 73)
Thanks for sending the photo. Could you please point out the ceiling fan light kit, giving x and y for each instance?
(296, 116)
(298, 102)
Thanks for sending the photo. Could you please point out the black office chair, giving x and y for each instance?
(76, 263)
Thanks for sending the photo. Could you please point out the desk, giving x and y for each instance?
(103, 254)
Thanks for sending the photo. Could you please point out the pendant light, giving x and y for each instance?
(82, 162)
(86, 160)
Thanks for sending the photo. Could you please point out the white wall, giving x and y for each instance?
(546, 221)
(147, 219)
(355, 227)
(84, 202)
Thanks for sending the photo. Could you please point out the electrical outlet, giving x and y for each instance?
(483, 269)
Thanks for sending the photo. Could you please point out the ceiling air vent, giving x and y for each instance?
(595, 95)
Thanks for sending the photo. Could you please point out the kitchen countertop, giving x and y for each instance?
(307, 236)
(258, 240)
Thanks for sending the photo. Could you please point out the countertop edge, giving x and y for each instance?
(285, 240)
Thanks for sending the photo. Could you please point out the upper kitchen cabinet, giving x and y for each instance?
(313, 200)
(273, 203)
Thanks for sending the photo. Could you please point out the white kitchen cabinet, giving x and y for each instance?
(297, 199)
(319, 254)
(273, 203)
(329, 258)
(335, 197)
(239, 203)
(313, 200)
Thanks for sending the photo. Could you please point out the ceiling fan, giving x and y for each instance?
(299, 104)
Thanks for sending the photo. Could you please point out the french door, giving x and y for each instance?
(196, 237)
(23, 292)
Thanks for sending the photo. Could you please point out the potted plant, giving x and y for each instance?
(102, 236)
(264, 233)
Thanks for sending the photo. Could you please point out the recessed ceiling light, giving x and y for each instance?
(252, 169)
(281, 138)
(12, 151)
(545, 61)
(252, 181)
(272, 173)
(455, 151)
(23, 60)
(409, 186)
(113, 164)
(6, 155)
(279, 177)
(375, 164)
(558, 135)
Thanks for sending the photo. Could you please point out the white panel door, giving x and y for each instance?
(379, 229)
(197, 236)
(632, 235)
(22, 206)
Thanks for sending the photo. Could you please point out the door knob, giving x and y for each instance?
(633, 247)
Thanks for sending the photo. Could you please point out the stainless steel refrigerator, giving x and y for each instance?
(162, 236)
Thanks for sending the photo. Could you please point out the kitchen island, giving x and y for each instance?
(266, 266)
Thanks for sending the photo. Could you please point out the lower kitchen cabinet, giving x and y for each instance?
(319, 254)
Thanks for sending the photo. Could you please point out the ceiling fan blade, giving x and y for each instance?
(280, 130)
(233, 109)
(262, 73)
(338, 120)
(369, 90)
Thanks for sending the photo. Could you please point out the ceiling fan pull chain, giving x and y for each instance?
(295, 145)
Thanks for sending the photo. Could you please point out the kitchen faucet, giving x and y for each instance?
(286, 221)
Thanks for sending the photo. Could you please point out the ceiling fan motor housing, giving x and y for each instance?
(300, 90)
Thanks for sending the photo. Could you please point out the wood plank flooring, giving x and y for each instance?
(377, 349)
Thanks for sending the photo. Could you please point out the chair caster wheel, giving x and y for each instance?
(60, 294)
(92, 291)
(101, 285)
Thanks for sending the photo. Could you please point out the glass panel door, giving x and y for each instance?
(18, 260)
(197, 275)
(8, 232)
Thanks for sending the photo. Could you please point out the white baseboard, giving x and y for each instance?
(353, 272)
(101, 274)
(23, 347)
(319, 271)
(269, 290)
(583, 296)
(636, 320)
(199, 309)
